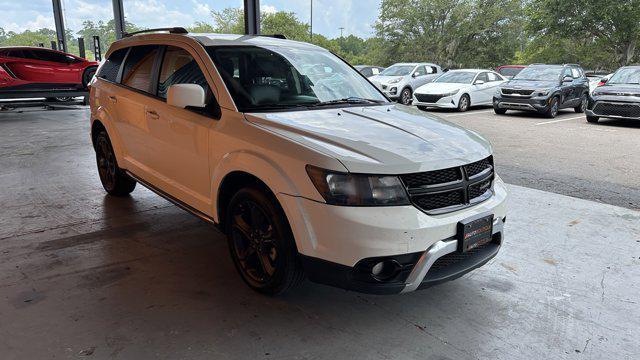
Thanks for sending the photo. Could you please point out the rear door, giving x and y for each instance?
(179, 138)
(132, 97)
(568, 88)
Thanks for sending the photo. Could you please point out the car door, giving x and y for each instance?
(419, 76)
(130, 101)
(179, 138)
(581, 83)
(568, 88)
(479, 93)
(494, 81)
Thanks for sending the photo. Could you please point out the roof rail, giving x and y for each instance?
(277, 36)
(571, 65)
(171, 30)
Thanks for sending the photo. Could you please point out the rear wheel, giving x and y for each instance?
(583, 104)
(261, 243)
(463, 103)
(88, 75)
(114, 180)
(552, 110)
(405, 96)
(592, 119)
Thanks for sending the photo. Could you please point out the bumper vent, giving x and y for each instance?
(627, 110)
(451, 189)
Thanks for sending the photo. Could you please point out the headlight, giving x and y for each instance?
(348, 189)
(451, 93)
(542, 92)
(395, 81)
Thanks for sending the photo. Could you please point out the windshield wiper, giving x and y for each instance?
(349, 100)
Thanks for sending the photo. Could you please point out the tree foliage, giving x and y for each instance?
(453, 33)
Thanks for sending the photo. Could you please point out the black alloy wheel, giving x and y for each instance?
(114, 180)
(552, 111)
(583, 104)
(261, 243)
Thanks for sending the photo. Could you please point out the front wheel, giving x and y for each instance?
(405, 96)
(463, 103)
(88, 75)
(552, 110)
(499, 111)
(261, 243)
(114, 180)
(583, 105)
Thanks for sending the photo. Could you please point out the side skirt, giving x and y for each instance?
(173, 200)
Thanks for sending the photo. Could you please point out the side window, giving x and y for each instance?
(50, 56)
(420, 70)
(110, 68)
(492, 76)
(367, 72)
(179, 67)
(575, 73)
(483, 77)
(567, 72)
(138, 67)
(431, 70)
(15, 54)
(375, 71)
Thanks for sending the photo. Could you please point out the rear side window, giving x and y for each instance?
(109, 71)
(138, 67)
(51, 56)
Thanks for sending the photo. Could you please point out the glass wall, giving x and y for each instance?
(86, 18)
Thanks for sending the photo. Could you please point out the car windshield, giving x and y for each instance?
(456, 77)
(510, 71)
(539, 73)
(398, 70)
(626, 76)
(272, 78)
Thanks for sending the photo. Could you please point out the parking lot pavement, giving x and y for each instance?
(566, 155)
(85, 274)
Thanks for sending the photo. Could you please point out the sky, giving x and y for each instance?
(356, 16)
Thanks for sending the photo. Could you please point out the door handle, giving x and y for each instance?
(113, 99)
(152, 114)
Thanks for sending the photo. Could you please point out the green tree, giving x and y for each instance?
(594, 33)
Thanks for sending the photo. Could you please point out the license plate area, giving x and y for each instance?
(474, 232)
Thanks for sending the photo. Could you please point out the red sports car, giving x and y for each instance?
(34, 70)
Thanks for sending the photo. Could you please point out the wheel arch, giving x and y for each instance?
(102, 122)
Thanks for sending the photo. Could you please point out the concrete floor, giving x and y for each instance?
(86, 275)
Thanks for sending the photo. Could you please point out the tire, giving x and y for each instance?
(405, 96)
(499, 111)
(87, 75)
(583, 104)
(114, 180)
(261, 243)
(463, 103)
(552, 111)
(592, 119)
(423, 108)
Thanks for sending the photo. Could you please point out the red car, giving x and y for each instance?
(34, 70)
(509, 71)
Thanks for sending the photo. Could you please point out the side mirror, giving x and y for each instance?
(567, 78)
(479, 82)
(415, 74)
(186, 95)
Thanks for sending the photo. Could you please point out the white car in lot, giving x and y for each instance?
(305, 166)
(398, 81)
(459, 89)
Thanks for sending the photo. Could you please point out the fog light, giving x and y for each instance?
(385, 270)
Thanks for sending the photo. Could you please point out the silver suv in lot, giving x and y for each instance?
(400, 80)
(306, 167)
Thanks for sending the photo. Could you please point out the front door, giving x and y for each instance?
(179, 138)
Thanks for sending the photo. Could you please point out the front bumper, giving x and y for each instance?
(392, 91)
(335, 240)
(538, 104)
(448, 102)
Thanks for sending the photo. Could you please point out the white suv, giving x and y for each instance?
(306, 167)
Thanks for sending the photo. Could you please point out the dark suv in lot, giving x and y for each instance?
(544, 89)
(618, 98)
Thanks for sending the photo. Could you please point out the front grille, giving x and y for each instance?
(516, 92)
(428, 98)
(627, 110)
(451, 189)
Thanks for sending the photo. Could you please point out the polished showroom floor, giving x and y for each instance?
(83, 274)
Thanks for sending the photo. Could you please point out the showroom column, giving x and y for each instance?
(59, 21)
(251, 17)
(118, 17)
